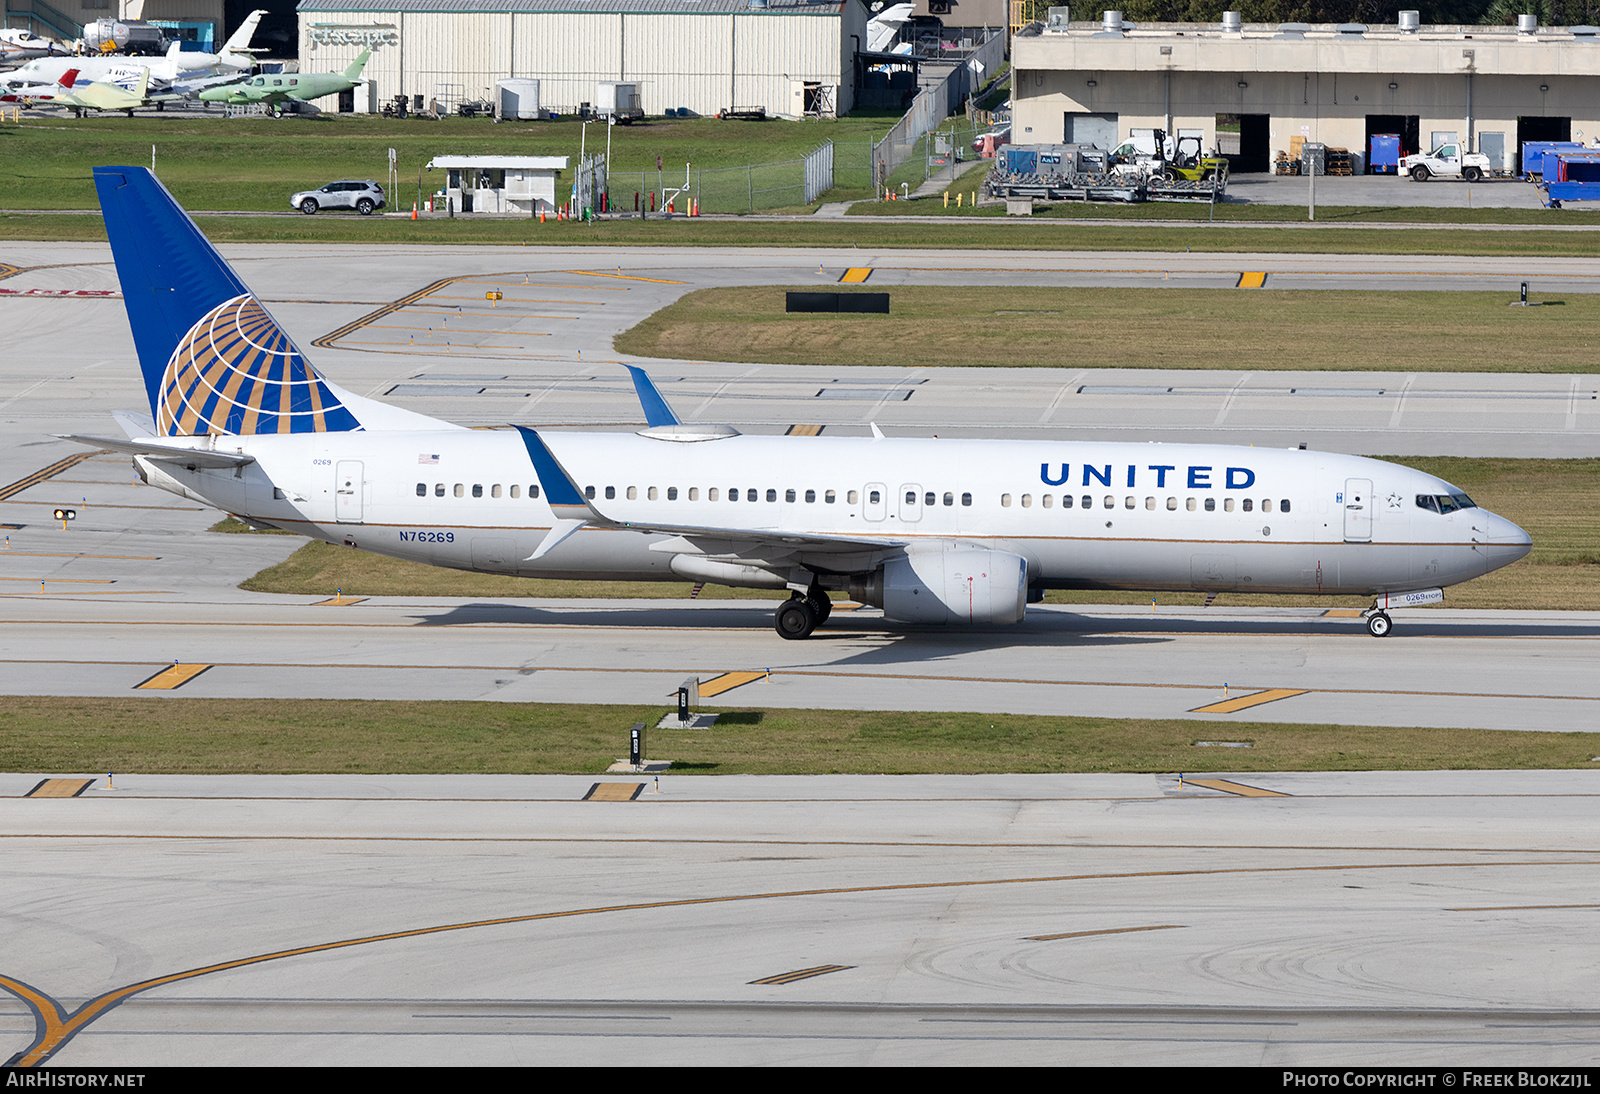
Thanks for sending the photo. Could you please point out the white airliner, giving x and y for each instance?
(931, 531)
(179, 64)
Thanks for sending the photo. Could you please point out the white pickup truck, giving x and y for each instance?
(1446, 161)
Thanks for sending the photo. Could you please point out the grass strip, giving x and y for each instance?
(1557, 501)
(1168, 328)
(175, 735)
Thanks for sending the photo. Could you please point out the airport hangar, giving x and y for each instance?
(1255, 87)
(197, 23)
(787, 57)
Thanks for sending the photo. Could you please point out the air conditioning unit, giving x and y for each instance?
(1056, 20)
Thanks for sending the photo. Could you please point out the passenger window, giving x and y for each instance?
(611, 493)
(1227, 505)
(1172, 503)
(1249, 503)
(494, 491)
(1005, 501)
(711, 495)
(1110, 502)
(672, 493)
(588, 492)
(533, 491)
(850, 497)
(1211, 505)
(1047, 500)
(930, 498)
(1150, 503)
(460, 491)
(788, 495)
(438, 489)
(1066, 501)
(733, 495)
(694, 493)
(1088, 502)
(422, 489)
(652, 493)
(1266, 505)
(911, 497)
(949, 499)
(873, 498)
(1027, 501)
(516, 491)
(811, 497)
(772, 495)
(1189, 505)
(633, 493)
(1129, 502)
(477, 489)
(827, 498)
(1283, 506)
(966, 499)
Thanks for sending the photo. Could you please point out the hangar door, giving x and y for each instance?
(1096, 129)
(1540, 129)
(1246, 139)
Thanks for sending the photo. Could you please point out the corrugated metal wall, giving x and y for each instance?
(703, 62)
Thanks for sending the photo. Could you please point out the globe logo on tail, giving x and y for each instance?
(236, 372)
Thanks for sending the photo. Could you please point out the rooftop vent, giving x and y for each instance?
(1352, 30)
(1056, 20)
(1527, 24)
(1110, 25)
(1410, 22)
(1292, 30)
(1585, 31)
(1231, 23)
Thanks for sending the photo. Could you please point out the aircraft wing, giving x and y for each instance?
(189, 457)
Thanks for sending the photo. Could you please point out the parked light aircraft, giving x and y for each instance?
(278, 89)
(17, 46)
(79, 96)
(884, 28)
(931, 531)
(179, 64)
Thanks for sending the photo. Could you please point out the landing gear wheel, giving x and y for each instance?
(821, 607)
(795, 619)
(1379, 624)
(309, 206)
(1420, 173)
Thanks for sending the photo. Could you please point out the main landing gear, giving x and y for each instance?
(801, 614)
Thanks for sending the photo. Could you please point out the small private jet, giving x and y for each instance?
(932, 531)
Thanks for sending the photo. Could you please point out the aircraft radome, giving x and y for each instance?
(930, 530)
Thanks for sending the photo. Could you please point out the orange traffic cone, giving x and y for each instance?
(541, 216)
(413, 210)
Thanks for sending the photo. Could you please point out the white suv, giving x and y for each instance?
(363, 197)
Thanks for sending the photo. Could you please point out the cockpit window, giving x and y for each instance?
(1445, 503)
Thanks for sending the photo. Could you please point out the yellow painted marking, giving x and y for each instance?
(338, 602)
(59, 788)
(801, 974)
(1251, 280)
(47, 473)
(171, 677)
(1108, 930)
(727, 682)
(804, 431)
(1245, 702)
(628, 277)
(613, 792)
(54, 1026)
(1342, 613)
(1240, 789)
(855, 275)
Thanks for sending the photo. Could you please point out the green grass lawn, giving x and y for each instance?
(1137, 328)
(169, 734)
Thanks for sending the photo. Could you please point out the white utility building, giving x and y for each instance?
(500, 184)
(787, 57)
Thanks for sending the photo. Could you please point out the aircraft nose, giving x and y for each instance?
(1507, 542)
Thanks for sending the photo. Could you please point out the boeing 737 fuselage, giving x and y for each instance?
(930, 530)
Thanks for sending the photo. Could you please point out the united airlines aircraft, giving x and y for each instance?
(929, 530)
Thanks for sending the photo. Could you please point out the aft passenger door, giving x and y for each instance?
(1358, 510)
(347, 488)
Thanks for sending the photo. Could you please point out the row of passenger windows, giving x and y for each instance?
(461, 489)
(930, 498)
(1130, 502)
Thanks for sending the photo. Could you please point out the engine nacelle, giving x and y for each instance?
(955, 585)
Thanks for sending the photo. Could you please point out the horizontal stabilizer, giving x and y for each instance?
(190, 457)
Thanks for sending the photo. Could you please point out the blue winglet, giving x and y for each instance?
(560, 492)
(656, 410)
(214, 360)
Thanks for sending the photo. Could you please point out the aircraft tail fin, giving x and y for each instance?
(214, 360)
(354, 71)
(68, 78)
(240, 39)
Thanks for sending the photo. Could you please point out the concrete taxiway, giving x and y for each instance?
(1307, 919)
